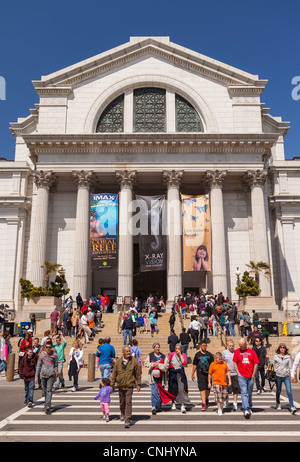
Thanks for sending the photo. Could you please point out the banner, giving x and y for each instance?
(104, 231)
(152, 235)
(196, 233)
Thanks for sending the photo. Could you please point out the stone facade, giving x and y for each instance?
(238, 158)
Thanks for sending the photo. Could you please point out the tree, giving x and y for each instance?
(51, 268)
(258, 268)
(56, 288)
(248, 287)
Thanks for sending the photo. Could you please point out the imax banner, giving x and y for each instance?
(104, 231)
(150, 224)
(196, 233)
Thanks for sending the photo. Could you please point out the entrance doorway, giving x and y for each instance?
(148, 282)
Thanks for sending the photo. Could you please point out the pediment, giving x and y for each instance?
(138, 48)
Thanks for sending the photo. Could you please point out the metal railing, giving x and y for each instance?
(222, 335)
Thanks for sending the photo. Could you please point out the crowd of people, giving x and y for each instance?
(233, 371)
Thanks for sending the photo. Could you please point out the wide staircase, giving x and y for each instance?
(111, 327)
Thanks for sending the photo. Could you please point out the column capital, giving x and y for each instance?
(172, 178)
(255, 178)
(215, 178)
(126, 179)
(44, 179)
(84, 179)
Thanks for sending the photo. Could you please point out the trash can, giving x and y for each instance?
(24, 327)
(293, 328)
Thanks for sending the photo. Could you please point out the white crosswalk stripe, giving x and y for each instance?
(71, 409)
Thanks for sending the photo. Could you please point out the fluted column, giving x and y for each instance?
(126, 181)
(215, 181)
(43, 181)
(256, 180)
(84, 180)
(172, 180)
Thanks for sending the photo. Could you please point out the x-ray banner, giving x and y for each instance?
(104, 231)
(196, 233)
(150, 223)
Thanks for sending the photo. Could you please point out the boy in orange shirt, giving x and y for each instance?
(218, 370)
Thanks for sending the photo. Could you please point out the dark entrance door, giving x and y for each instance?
(148, 282)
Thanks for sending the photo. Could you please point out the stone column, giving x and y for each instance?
(84, 180)
(126, 180)
(43, 181)
(256, 180)
(173, 179)
(219, 270)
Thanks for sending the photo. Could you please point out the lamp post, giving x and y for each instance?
(238, 281)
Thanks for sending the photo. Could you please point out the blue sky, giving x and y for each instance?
(260, 37)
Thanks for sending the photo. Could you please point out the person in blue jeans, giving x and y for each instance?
(283, 365)
(245, 364)
(127, 328)
(106, 354)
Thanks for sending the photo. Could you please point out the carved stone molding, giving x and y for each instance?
(44, 179)
(215, 178)
(255, 178)
(84, 179)
(172, 178)
(126, 179)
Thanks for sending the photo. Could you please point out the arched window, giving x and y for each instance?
(146, 111)
(111, 119)
(149, 110)
(187, 118)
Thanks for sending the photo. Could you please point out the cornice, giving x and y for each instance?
(171, 52)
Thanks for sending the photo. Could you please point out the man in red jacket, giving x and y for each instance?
(27, 373)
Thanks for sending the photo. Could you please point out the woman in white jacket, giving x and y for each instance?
(283, 366)
(75, 363)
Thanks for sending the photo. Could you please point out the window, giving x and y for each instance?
(111, 119)
(187, 118)
(149, 110)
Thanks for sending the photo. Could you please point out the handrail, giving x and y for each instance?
(119, 327)
(222, 335)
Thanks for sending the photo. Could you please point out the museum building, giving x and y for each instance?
(150, 118)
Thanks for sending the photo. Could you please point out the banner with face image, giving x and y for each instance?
(196, 230)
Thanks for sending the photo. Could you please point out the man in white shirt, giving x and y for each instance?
(194, 331)
(85, 326)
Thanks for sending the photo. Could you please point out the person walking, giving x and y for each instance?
(27, 372)
(54, 318)
(157, 364)
(104, 395)
(106, 353)
(172, 341)
(234, 388)
(263, 357)
(218, 376)
(178, 385)
(47, 369)
(201, 364)
(245, 363)
(203, 326)
(85, 326)
(194, 332)
(283, 366)
(75, 363)
(126, 374)
(127, 328)
(184, 339)
(172, 320)
(137, 353)
(60, 345)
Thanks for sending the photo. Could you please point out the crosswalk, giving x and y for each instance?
(78, 415)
